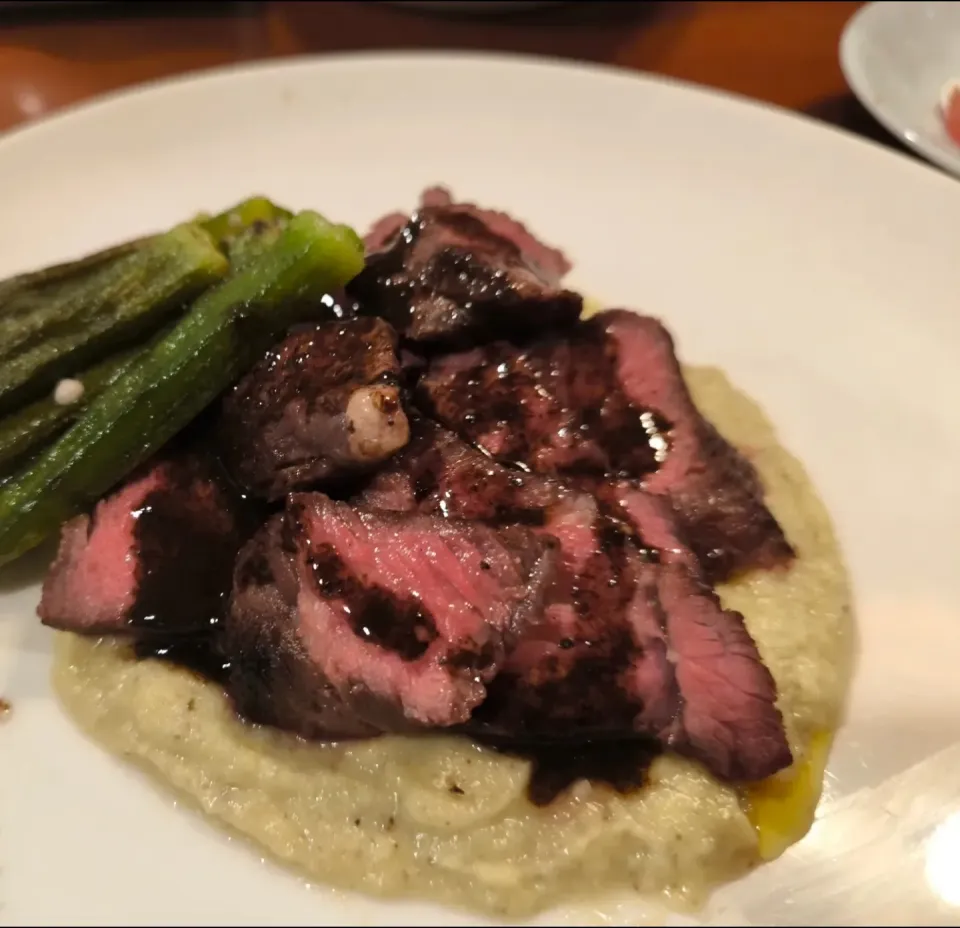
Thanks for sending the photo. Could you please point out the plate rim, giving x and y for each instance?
(452, 58)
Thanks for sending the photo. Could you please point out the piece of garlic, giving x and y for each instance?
(67, 392)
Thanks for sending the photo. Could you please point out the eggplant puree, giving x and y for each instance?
(440, 818)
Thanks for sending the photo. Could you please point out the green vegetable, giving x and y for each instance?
(121, 302)
(217, 340)
(25, 293)
(251, 214)
(24, 432)
(248, 245)
(21, 294)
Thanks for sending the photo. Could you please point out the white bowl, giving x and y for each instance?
(897, 56)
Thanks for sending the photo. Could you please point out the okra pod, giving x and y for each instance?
(26, 431)
(25, 293)
(223, 333)
(248, 245)
(118, 304)
(252, 213)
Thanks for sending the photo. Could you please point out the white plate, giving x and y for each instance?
(896, 56)
(820, 270)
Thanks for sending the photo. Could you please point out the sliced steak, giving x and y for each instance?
(550, 264)
(716, 491)
(439, 473)
(410, 616)
(454, 274)
(272, 680)
(649, 517)
(629, 643)
(633, 644)
(155, 557)
(607, 400)
(322, 406)
(384, 232)
(596, 666)
(728, 716)
(554, 407)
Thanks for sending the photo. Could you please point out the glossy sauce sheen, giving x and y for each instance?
(550, 409)
(577, 681)
(185, 566)
(448, 277)
(451, 269)
(395, 623)
(187, 541)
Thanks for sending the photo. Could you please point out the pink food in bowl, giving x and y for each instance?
(950, 108)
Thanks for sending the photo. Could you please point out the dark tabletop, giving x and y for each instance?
(55, 54)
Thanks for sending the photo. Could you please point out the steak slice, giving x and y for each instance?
(272, 680)
(728, 716)
(455, 274)
(550, 264)
(323, 405)
(155, 557)
(633, 644)
(715, 490)
(410, 616)
(630, 643)
(439, 473)
(607, 400)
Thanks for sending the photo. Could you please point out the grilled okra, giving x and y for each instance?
(223, 333)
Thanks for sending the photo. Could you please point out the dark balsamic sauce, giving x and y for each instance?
(187, 542)
(384, 282)
(621, 765)
(448, 279)
(396, 623)
(188, 532)
(197, 653)
(579, 422)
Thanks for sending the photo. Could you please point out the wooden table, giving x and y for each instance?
(783, 52)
